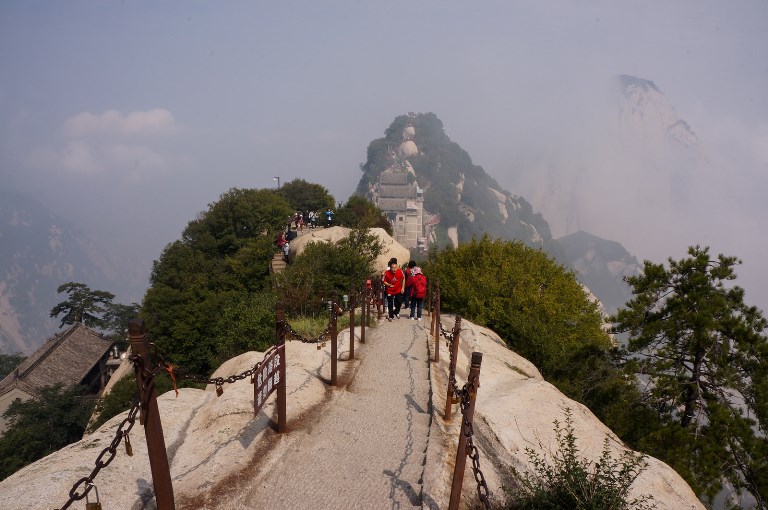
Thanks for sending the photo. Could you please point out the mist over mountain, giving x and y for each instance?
(601, 265)
(628, 167)
(38, 252)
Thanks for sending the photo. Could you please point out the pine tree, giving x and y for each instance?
(701, 353)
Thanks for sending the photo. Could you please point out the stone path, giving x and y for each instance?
(367, 449)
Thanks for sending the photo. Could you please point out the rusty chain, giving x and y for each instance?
(465, 394)
(121, 433)
(291, 334)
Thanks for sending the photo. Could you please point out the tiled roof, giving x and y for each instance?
(65, 359)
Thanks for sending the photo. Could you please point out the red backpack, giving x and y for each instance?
(419, 286)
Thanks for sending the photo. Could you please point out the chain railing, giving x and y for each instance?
(262, 375)
(466, 398)
(120, 434)
(271, 369)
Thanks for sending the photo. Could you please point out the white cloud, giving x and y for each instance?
(113, 123)
(111, 143)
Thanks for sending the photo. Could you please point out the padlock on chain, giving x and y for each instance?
(96, 505)
(219, 390)
(128, 447)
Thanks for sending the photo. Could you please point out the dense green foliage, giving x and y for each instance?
(42, 425)
(8, 362)
(706, 356)
(82, 305)
(359, 212)
(536, 305)
(213, 282)
(323, 268)
(305, 196)
(573, 483)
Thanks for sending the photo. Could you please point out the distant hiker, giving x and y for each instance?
(301, 221)
(280, 241)
(312, 219)
(286, 248)
(328, 217)
(418, 292)
(394, 281)
(408, 282)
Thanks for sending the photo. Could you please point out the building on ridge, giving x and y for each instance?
(78, 355)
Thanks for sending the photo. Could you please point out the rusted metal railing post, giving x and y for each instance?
(153, 428)
(450, 398)
(334, 336)
(282, 392)
(435, 321)
(363, 313)
(473, 383)
(352, 325)
(379, 299)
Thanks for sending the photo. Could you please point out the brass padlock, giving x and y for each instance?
(96, 505)
(318, 347)
(128, 447)
(219, 390)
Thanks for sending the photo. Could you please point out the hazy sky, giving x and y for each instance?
(129, 117)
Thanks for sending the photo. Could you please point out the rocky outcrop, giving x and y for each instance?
(516, 410)
(390, 247)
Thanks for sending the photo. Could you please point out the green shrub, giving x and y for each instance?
(573, 483)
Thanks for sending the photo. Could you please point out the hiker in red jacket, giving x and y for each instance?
(418, 292)
(394, 281)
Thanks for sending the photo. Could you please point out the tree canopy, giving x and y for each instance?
(704, 356)
(359, 212)
(532, 302)
(200, 285)
(83, 305)
(306, 196)
(42, 425)
(325, 267)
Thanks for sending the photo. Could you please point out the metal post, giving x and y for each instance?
(153, 428)
(436, 324)
(363, 313)
(281, 386)
(379, 299)
(351, 326)
(449, 399)
(334, 337)
(473, 383)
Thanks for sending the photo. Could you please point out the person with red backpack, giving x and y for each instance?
(418, 292)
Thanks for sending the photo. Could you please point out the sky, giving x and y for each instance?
(130, 117)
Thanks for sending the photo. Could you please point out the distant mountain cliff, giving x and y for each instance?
(38, 252)
(466, 199)
(601, 265)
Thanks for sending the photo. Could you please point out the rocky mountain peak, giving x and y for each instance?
(456, 198)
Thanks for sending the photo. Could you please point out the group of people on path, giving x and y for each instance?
(297, 222)
(310, 218)
(407, 288)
